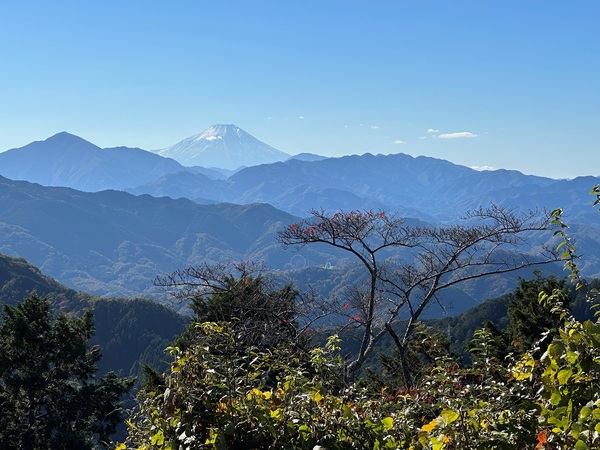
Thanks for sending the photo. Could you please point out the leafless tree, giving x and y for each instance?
(409, 266)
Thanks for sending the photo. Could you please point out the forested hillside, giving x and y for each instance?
(114, 244)
(130, 332)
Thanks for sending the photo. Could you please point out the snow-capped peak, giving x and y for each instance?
(223, 146)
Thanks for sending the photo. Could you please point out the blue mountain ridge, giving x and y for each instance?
(115, 243)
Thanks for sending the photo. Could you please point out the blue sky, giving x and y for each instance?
(502, 84)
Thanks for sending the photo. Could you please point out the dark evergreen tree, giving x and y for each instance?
(530, 319)
(259, 312)
(498, 338)
(49, 396)
(427, 346)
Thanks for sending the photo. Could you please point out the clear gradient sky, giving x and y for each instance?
(501, 84)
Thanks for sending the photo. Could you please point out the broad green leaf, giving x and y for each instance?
(387, 422)
(580, 445)
(572, 357)
(564, 375)
(391, 444)
(585, 412)
(347, 412)
(555, 398)
(556, 349)
(576, 430)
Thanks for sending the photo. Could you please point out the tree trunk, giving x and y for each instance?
(402, 351)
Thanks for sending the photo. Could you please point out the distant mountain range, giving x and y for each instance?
(68, 160)
(422, 187)
(115, 243)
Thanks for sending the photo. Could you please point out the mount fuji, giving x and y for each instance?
(224, 147)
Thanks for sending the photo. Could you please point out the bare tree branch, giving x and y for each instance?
(487, 242)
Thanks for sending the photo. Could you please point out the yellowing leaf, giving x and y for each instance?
(277, 414)
(524, 368)
(430, 426)
(158, 438)
(387, 422)
(585, 412)
(555, 398)
(437, 443)
(572, 357)
(221, 406)
(316, 396)
(449, 416)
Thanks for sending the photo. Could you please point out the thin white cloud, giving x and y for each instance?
(480, 168)
(301, 117)
(375, 127)
(459, 134)
(399, 142)
(422, 137)
(432, 130)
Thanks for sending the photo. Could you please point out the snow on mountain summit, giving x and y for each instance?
(223, 146)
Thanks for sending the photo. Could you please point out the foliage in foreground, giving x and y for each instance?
(222, 393)
(49, 397)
